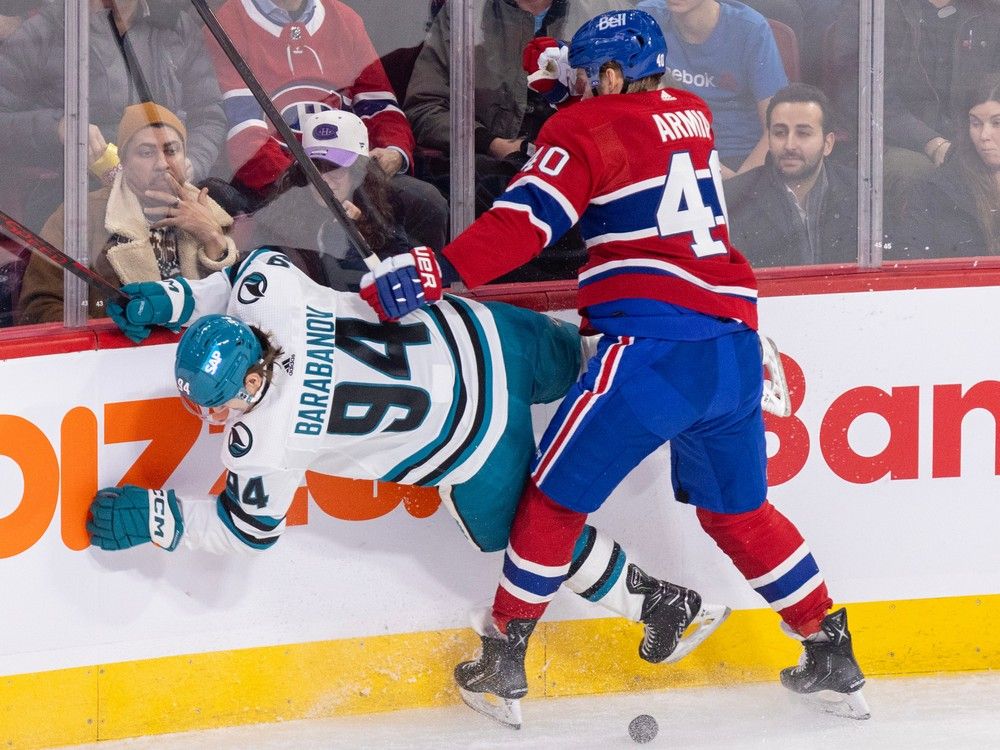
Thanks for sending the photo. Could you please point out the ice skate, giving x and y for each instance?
(828, 675)
(494, 683)
(676, 620)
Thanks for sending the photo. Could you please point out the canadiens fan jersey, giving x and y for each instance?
(323, 56)
(640, 176)
(419, 402)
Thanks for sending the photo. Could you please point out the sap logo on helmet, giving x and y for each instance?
(252, 289)
(611, 22)
(325, 131)
(212, 366)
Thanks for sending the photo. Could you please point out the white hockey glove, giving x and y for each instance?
(775, 399)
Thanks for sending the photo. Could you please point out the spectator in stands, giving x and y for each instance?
(933, 50)
(150, 224)
(798, 208)
(957, 211)
(725, 52)
(305, 51)
(168, 59)
(298, 221)
(507, 115)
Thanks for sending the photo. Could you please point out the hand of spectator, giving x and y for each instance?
(187, 209)
(96, 145)
(546, 61)
(937, 150)
(352, 211)
(504, 147)
(389, 159)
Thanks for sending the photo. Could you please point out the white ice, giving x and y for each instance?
(955, 712)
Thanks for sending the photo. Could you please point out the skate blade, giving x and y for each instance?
(506, 711)
(703, 625)
(846, 705)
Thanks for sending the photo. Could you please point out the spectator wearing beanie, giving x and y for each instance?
(149, 224)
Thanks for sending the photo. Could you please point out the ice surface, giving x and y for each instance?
(955, 712)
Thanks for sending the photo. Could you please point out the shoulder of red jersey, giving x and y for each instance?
(598, 111)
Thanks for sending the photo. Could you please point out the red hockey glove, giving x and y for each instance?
(401, 284)
(546, 61)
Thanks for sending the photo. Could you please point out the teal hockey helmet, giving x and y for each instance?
(213, 357)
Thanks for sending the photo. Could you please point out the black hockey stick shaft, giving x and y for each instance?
(291, 142)
(21, 234)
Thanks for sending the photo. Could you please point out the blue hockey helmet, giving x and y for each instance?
(213, 357)
(632, 38)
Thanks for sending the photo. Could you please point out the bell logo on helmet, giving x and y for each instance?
(611, 22)
(212, 366)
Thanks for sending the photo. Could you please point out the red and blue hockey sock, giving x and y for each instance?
(538, 557)
(771, 554)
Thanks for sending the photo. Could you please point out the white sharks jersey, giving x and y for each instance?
(422, 401)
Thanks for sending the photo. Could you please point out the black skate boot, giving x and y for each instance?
(828, 675)
(494, 683)
(668, 611)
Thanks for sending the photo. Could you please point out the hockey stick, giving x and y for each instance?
(21, 234)
(291, 142)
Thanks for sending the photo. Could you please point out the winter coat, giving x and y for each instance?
(501, 90)
(174, 63)
(765, 226)
(120, 251)
(939, 219)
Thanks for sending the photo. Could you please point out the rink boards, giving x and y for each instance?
(888, 465)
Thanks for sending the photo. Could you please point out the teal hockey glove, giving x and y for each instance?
(124, 517)
(165, 303)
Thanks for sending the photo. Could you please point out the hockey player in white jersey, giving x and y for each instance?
(305, 377)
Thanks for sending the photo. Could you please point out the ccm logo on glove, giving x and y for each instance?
(161, 523)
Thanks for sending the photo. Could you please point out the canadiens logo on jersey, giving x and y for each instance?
(252, 289)
(240, 440)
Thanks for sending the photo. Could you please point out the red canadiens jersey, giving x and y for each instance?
(640, 175)
(325, 56)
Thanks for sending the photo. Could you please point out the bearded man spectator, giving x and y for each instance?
(799, 208)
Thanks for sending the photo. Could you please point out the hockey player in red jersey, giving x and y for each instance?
(636, 168)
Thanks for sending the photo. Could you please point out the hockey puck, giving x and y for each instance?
(643, 728)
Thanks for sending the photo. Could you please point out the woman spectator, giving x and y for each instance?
(337, 143)
(957, 211)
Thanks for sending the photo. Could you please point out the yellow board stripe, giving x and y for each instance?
(413, 670)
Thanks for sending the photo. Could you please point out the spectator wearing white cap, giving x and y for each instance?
(337, 143)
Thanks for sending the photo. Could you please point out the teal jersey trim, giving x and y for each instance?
(235, 272)
(226, 507)
(596, 596)
(418, 457)
(482, 344)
